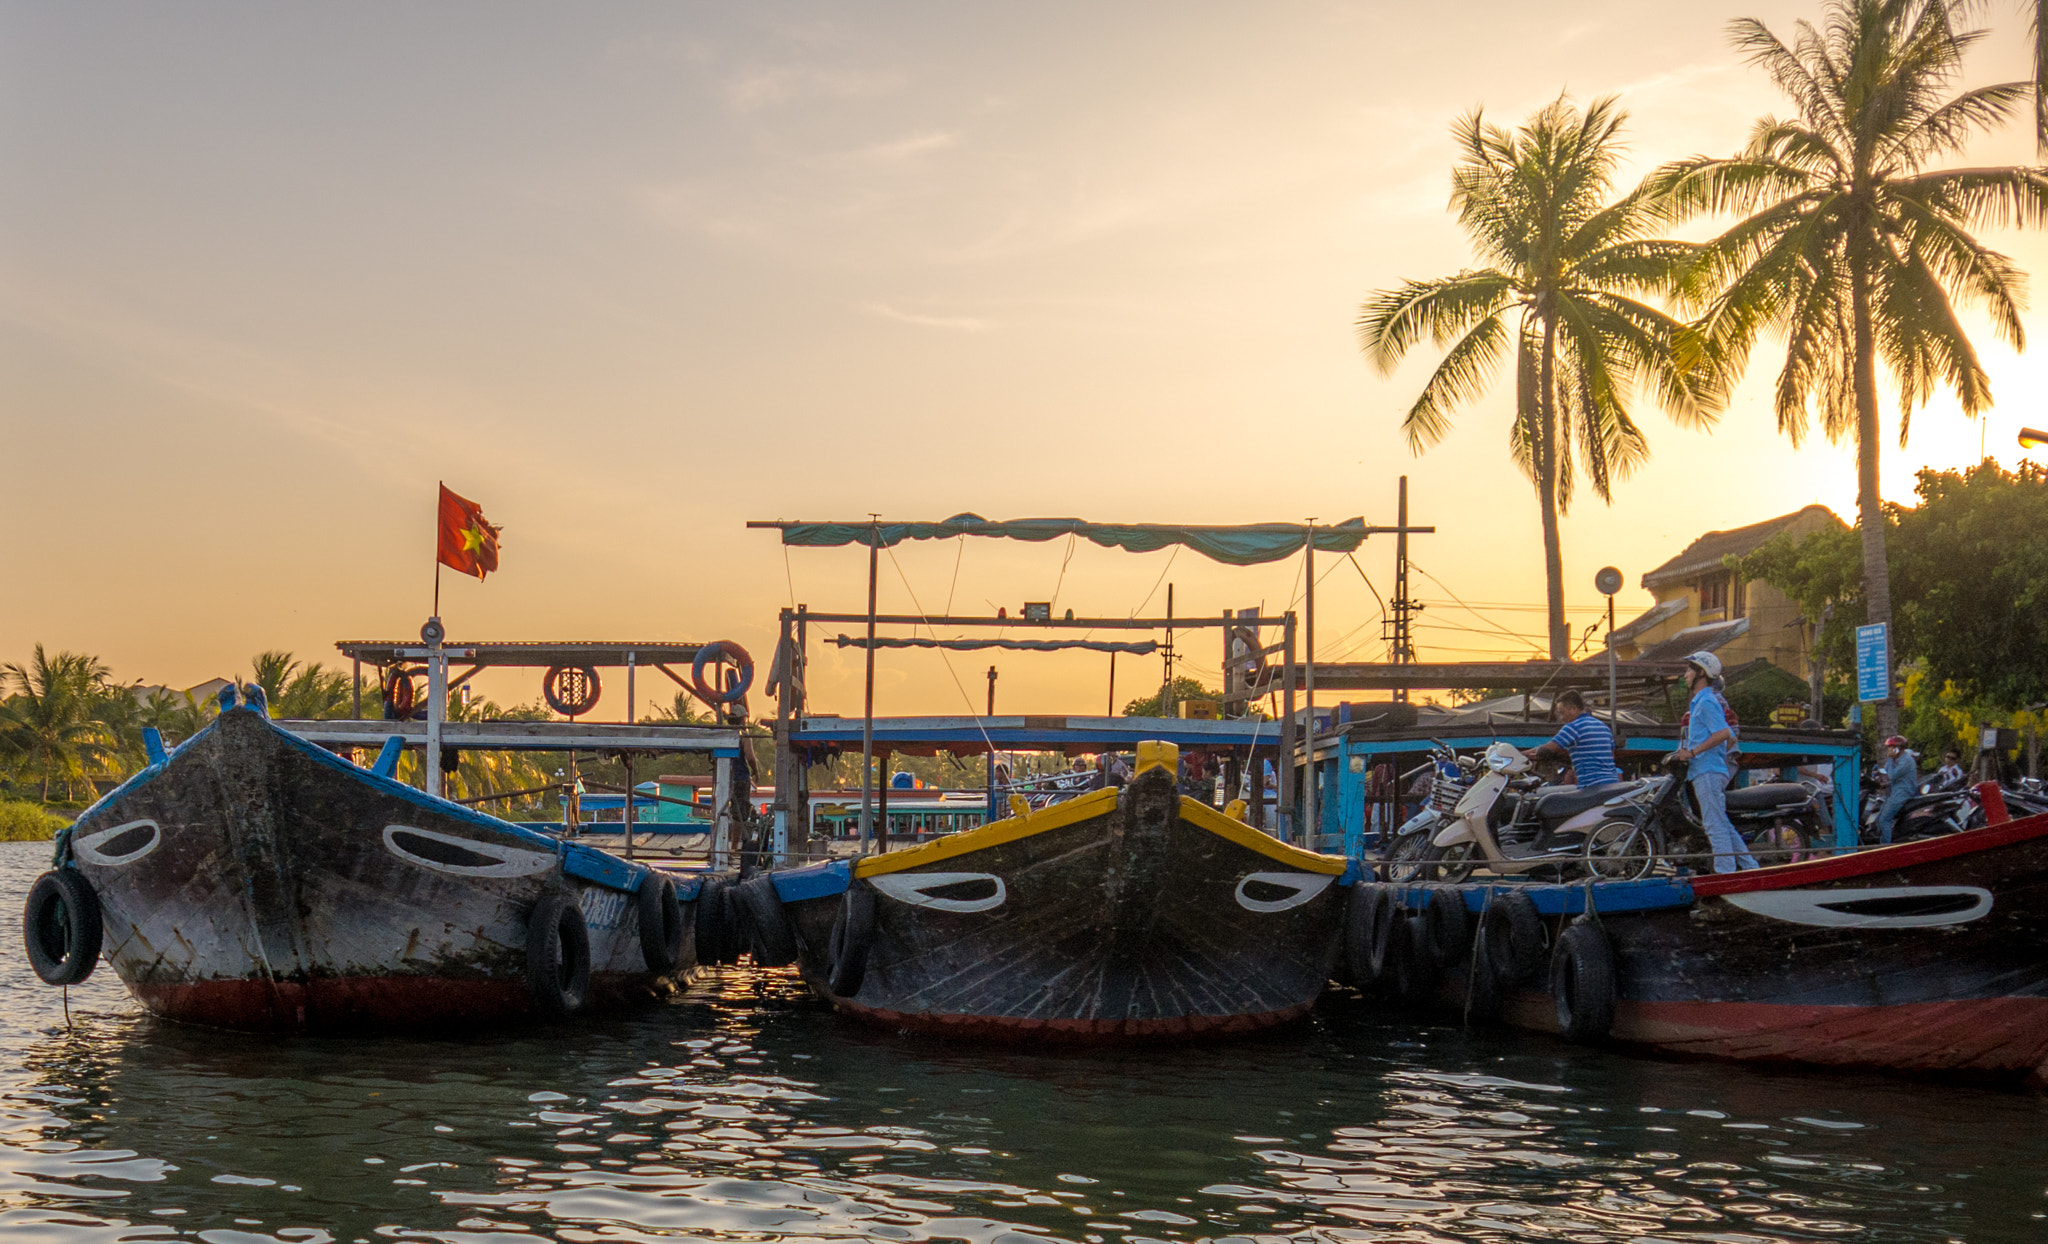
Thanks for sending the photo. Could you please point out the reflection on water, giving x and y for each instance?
(746, 1111)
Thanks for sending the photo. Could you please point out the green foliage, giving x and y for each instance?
(1569, 268)
(178, 715)
(25, 822)
(51, 726)
(1970, 563)
(296, 691)
(1971, 580)
(1184, 689)
(1754, 691)
(1823, 574)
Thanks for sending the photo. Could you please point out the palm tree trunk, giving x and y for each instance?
(1877, 584)
(1546, 493)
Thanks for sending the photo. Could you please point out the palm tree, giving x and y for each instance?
(1854, 248)
(177, 715)
(1569, 267)
(300, 692)
(49, 721)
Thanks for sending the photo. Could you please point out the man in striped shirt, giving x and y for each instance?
(1583, 738)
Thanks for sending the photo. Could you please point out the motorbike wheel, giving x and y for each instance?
(1453, 863)
(1622, 850)
(1781, 843)
(1404, 860)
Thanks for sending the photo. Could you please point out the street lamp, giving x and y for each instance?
(1609, 582)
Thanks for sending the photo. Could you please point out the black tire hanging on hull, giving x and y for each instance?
(1582, 982)
(1416, 966)
(717, 940)
(1450, 923)
(661, 924)
(1511, 934)
(851, 934)
(61, 927)
(1368, 919)
(771, 940)
(558, 956)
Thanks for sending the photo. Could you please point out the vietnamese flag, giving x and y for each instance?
(466, 542)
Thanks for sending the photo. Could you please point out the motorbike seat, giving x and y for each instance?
(1567, 804)
(1768, 795)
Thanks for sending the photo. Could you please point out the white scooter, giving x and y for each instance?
(1566, 831)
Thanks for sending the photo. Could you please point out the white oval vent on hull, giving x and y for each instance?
(943, 891)
(1888, 907)
(465, 857)
(123, 844)
(1264, 892)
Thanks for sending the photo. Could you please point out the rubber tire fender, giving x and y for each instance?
(661, 923)
(1383, 932)
(558, 956)
(1450, 923)
(852, 933)
(1367, 913)
(713, 920)
(62, 928)
(771, 941)
(1582, 982)
(1482, 995)
(1511, 940)
(1418, 970)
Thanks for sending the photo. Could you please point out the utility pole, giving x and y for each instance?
(1166, 688)
(1401, 609)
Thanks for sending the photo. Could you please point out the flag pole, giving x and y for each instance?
(437, 546)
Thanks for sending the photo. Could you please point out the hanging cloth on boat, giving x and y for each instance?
(1140, 647)
(1248, 544)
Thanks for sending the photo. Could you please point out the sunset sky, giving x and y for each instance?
(632, 274)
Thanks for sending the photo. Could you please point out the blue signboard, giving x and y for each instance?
(1873, 663)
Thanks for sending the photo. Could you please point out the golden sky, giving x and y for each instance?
(630, 275)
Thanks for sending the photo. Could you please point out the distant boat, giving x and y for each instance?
(1121, 914)
(252, 880)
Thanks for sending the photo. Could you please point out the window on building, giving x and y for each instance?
(1738, 605)
(1714, 594)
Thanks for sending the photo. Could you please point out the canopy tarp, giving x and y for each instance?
(1244, 545)
(1142, 647)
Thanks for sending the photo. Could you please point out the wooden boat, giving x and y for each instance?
(252, 880)
(1119, 914)
(1928, 956)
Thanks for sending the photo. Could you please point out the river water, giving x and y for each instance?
(747, 1111)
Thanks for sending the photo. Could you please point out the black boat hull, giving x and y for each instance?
(254, 881)
(1120, 915)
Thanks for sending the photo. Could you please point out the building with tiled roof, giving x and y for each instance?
(1702, 606)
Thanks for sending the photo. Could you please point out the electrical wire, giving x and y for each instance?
(1061, 581)
(926, 619)
(1156, 582)
(959, 550)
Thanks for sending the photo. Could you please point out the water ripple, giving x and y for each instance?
(744, 1111)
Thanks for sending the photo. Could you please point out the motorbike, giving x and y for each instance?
(1506, 821)
(1450, 776)
(1779, 822)
(1935, 813)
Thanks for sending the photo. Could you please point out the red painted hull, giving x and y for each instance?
(1923, 957)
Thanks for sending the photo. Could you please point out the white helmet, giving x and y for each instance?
(1708, 663)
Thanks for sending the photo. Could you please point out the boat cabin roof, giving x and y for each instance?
(537, 654)
(523, 736)
(919, 736)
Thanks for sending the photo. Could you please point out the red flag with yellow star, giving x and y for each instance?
(467, 543)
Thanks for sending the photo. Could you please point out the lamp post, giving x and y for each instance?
(1609, 582)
